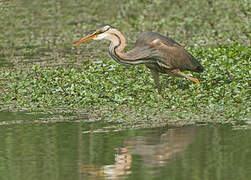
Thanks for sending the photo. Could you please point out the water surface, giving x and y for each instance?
(46, 148)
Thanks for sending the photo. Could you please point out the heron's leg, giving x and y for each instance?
(155, 75)
(177, 72)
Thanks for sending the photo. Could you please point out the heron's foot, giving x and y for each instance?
(159, 96)
(159, 92)
(194, 80)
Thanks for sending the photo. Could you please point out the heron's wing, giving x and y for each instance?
(144, 46)
(164, 51)
(174, 56)
(147, 37)
(143, 52)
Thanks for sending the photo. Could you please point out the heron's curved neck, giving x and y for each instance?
(118, 43)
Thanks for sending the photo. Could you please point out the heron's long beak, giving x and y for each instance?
(86, 38)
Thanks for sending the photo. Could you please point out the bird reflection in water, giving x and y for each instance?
(119, 170)
(155, 148)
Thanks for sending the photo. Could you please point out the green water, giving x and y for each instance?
(49, 148)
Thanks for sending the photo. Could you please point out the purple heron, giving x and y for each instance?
(159, 53)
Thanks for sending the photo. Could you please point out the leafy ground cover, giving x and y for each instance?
(41, 71)
(110, 91)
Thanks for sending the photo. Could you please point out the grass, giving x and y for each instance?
(110, 91)
(41, 71)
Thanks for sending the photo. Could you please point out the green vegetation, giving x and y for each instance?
(41, 71)
(110, 90)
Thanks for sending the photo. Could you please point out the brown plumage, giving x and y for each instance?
(159, 53)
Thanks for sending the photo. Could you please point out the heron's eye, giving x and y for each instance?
(99, 31)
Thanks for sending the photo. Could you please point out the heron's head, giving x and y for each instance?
(99, 33)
